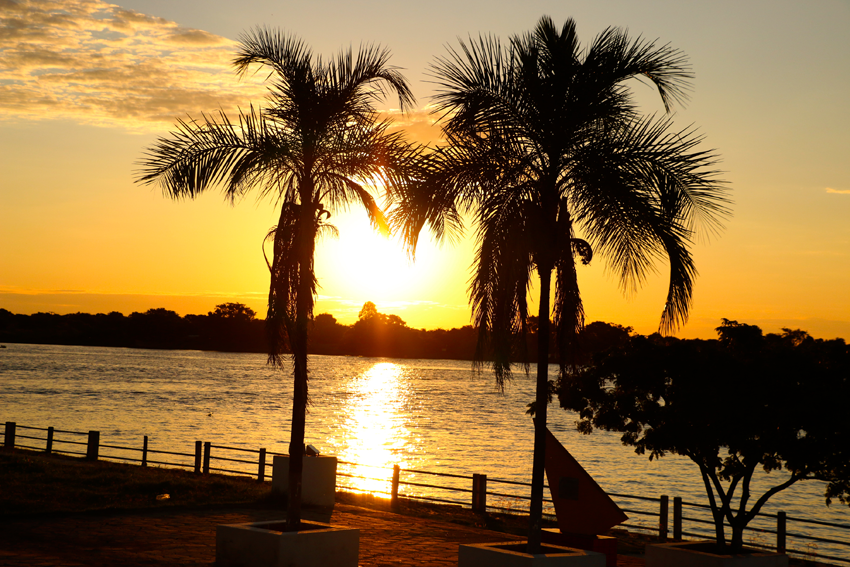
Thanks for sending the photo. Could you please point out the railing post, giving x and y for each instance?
(49, 448)
(662, 518)
(198, 445)
(207, 448)
(261, 473)
(479, 493)
(394, 498)
(145, 452)
(781, 521)
(9, 441)
(93, 447)
(677, 518)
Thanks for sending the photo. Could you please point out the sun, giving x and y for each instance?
(363, 261)
(362, 265)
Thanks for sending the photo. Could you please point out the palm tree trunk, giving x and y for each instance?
(303, 307)
(535, 511)
(299, 417)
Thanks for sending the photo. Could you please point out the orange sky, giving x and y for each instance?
(85, 86)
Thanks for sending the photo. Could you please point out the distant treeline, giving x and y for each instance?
(234, 327)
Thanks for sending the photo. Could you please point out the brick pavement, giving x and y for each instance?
(187, 537)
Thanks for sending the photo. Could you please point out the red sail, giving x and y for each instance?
(581, 506)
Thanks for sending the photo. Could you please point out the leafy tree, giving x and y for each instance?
(368, 311)
(544, 143)
(238, 311)
(732, 405)
(316, 148)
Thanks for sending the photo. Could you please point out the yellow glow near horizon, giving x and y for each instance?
(375, 428)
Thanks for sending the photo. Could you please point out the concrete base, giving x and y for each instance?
(512, 554)
(318, 486)
(264, 544)
(700, 554)
(605, 545)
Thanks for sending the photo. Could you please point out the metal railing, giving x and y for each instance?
(475, 490)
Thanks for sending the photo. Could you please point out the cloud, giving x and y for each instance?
(419, 125)
(97, 63)
(840, 191)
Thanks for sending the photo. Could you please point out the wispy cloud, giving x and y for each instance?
(840, 191)
(97, 63)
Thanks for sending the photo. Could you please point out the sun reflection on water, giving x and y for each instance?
(374, 426)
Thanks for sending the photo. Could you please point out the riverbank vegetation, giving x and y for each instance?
(234, 327)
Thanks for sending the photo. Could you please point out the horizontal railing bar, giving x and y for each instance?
(171, 453)
(69, 432)
(648, 498)
(443, 500)
(361, 465)
(114, 458)
(518, 496)
(364, 477)
(18, 426)
(437, 473)
(31, 437)
(70, 442)
(421, 485)
(697, 520)
(121, 448)
(752, 528)
(235, 449)
(818, 522)
(695, 505)
(515, 483)
(640, 512)
(234, 460)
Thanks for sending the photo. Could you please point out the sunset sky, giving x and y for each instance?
(86, 86)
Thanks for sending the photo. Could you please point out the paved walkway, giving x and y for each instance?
(179, 537)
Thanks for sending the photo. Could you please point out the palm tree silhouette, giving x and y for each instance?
(316, 148)
(544, 143)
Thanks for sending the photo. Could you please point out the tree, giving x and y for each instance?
(368, 311)
(238, 311)
(544, 143)
(316, 148)
(730, 405)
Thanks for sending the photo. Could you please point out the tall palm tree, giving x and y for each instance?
(547, 152)
(316, 148)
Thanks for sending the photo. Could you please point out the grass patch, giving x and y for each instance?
(35, 483)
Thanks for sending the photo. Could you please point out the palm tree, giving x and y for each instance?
(316, 148)
(547, 152)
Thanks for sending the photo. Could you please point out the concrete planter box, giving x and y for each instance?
(265, 544)
(701, 554)
(512, 553)
(318, 484)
